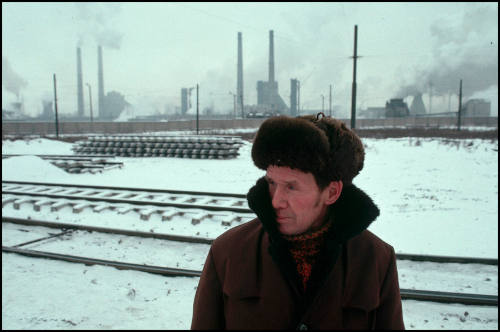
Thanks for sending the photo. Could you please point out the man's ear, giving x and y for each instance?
(334, 190)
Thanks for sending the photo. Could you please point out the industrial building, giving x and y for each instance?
(476, 108)
(417, 105)
(268, 97)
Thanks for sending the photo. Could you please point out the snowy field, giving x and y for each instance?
(436, 196)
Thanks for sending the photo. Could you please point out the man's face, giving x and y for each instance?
(297, 200)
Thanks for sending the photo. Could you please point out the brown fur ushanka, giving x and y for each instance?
(324, 147)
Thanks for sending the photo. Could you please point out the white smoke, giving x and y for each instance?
(11, 81)
(96, 22)
(464, 48)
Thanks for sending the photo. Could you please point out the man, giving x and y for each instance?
(307, 261)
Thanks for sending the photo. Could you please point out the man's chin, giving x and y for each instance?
(287, 230)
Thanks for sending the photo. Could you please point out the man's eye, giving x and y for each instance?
(290, 187)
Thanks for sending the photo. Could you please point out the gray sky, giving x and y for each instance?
(152, 50)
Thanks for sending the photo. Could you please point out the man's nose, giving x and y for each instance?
(279, 198)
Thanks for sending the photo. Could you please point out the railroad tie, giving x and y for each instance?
(38, 205)
(228, 219)
(119, 195)
(41, 190)
(18, 202)
(198, 217)
(102, 207)
(8, 200)
(59, 205)
(79, 207)
(126, 209)
(169, 214)
(206, 201)
(239, 202)
(146, 213)
(10, 187)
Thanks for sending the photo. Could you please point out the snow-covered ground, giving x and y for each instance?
(436, 196)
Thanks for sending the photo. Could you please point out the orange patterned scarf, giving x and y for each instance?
(305, 249)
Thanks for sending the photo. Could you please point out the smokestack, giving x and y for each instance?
(79, 81)
(239, 87)
(100, 82)
(271, 56)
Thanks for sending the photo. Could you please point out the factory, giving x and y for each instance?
(269, 101)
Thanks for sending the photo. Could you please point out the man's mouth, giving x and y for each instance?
(281, 218)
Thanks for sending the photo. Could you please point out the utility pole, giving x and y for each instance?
(197, 109)
(355, 58)
(323, 104)
(298, 97)
(330, 108)
(460, 105)
(239, 83)
(55, 106)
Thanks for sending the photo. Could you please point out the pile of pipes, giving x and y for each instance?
(77, 164)
(199, 147)
(91, 165)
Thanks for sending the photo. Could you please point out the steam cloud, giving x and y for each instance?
(96, 21)
(10, 79)
(466, 49)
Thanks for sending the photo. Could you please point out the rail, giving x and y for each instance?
(406, 294)
(134, 196)
(190, 239)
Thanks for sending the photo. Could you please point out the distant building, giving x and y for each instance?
(417, 105)
(8, 115)
(268, 96)
(476, 108)
(48, 111)
(373, 113)
(293, 97)
(396, 108)
(185, 100)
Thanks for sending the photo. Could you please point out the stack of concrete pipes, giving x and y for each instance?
(199, 147)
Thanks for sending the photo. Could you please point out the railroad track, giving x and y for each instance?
(421, 295)
(168, 203)
(191, 239)
(196, 206)
(406, 294)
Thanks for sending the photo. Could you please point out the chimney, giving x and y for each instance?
(271, 56)
(100, 82)
(239, 87)
(79, 81)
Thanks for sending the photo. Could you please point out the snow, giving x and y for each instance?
(436, 196)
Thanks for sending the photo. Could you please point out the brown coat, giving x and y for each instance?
(249, 280)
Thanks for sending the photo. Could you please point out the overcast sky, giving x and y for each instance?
(152, 50)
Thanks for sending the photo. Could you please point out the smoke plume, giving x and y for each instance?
(463, 48)
(11, 81)
(97, 22)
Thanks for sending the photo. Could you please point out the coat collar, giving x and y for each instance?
(351, 214)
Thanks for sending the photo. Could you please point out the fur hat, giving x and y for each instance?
(324, 147)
